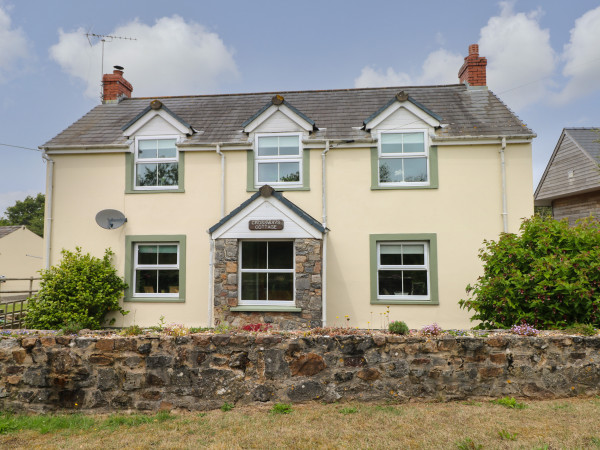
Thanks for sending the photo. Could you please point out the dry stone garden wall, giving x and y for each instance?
(202, 371)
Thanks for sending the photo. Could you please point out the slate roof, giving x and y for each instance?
(466, 112)
(6, 230)
(588, 139)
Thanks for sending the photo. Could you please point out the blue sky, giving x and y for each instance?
(543, 58)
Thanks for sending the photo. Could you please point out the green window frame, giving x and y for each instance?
(130, 266)
(429, 240)
(278, 159)
(378, 155)
(132, 162)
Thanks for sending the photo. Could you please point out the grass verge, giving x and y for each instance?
(543, 424)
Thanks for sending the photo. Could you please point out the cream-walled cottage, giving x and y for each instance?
(21, 253)
(299, 208)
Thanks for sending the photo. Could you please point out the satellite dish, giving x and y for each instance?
(110, 219)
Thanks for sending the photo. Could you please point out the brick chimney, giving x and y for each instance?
(115, 87)
(473, 69)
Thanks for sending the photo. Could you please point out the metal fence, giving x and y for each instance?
(13, 307)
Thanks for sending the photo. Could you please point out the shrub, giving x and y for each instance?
(80, 290)
(398, 327)
(548, 276)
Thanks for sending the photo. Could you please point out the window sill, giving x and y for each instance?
(153, 300)
(383, 188)
(282, 188)
(404, 302)
(265, 308)
(154, 191)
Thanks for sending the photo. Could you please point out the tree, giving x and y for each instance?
(81, 290)
(29, 212)
(547, 276)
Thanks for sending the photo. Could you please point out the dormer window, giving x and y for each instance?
(278, 160)
(156, 164)
(403, 158)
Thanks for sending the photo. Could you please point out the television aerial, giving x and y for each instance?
(104, 38)
(110, 219)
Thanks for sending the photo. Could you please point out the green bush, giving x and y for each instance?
(80, 290)
(398, 327)
(547, 276)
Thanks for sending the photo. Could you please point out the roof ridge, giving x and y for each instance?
(297, 91)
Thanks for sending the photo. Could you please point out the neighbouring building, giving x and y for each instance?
(21, 253)
(297, 208)
(571, 182)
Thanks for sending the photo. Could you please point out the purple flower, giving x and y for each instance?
(524, 330)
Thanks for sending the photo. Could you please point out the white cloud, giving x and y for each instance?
(13, 46)
(520, 57)
(520, 60)
(582, 56)
(172, 57)
(440, 67)
(370, 77)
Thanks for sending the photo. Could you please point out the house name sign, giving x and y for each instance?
(273, 224)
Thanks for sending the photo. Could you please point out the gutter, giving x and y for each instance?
(48, 224)
(503, 170)
(324, 265)
(484, 137)
(324, 183)
(211, 257)
(100, 148)
(209, 147)
(211, 264)
(219, 152)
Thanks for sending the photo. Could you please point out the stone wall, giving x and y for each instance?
(203, 371)
(308, 288)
